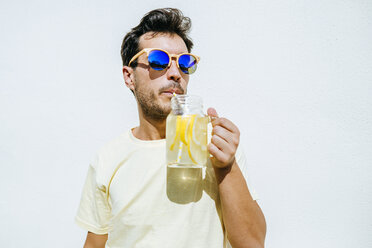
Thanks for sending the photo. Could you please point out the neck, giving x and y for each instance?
(149, 129)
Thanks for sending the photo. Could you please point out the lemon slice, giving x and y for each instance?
(199, 137)
(185, 136)
(176, 136)
(198, 141)
(184, 129)
(189, 136)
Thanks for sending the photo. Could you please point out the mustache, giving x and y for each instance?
(172, 85)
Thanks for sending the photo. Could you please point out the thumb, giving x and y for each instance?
(212, 112)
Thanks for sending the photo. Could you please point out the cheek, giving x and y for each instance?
(186, 77)
(185, 82)
(149, 88)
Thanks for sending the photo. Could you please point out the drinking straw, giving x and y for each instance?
(179, 155)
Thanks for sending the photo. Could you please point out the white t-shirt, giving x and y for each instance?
(130, 194)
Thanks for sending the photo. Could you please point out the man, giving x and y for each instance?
(124, 201)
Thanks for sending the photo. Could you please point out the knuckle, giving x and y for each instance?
(237, 131)
(217, 130)
(223, 120)
(236, 141)
(231, 152)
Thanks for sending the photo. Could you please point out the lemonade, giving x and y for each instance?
(186, 140)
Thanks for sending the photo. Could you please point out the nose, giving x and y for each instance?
(173, 73)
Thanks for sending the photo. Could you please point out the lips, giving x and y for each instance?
(173, 90)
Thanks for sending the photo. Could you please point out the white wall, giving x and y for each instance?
(295, 76)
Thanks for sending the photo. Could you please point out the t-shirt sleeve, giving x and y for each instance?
(242, 163)
(94, 210)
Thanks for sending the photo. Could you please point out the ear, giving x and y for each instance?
(128, 74)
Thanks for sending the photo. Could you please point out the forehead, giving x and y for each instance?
(171, 43)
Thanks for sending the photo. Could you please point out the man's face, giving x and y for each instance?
(153, 89)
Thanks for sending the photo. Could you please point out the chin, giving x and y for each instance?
(167, 108)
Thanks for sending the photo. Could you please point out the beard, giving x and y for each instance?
(150, 103)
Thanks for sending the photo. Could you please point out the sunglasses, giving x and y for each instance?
(160, 60)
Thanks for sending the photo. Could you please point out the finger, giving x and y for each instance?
(228, 136)
(217, 153)
(212, 113)
(222, 145)
(223, 133)
(226, 123)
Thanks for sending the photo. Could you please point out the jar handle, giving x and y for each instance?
(209, 131)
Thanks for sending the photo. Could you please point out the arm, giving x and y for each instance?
(95, 240)
(243, 218)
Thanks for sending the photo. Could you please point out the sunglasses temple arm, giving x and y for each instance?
(136, 56)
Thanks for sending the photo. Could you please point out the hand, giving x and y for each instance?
(224, 142)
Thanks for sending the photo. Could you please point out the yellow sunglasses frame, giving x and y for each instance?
(171, 56)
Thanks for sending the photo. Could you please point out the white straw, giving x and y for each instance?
(179, 155)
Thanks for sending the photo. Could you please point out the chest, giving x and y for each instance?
(143, 189)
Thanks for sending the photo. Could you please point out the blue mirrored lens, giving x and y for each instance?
(187, 63)
(158, 60)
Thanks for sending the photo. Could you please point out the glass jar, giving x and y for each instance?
(186, 133)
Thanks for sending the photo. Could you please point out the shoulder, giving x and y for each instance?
(105, 161)
(115, 145)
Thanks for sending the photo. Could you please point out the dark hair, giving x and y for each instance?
(167, 20)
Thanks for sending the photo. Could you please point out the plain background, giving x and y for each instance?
(295, 76)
